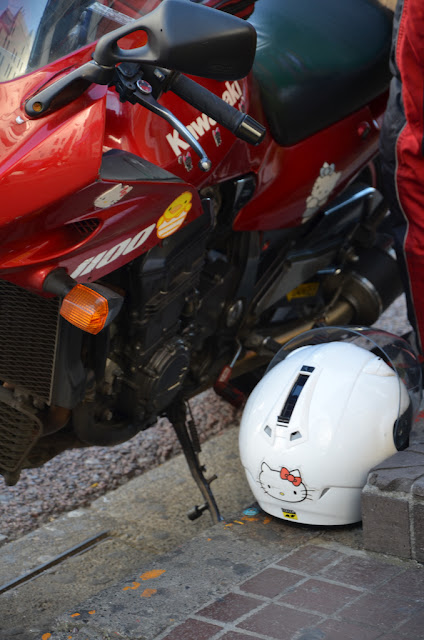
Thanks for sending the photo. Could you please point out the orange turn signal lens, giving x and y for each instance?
(85, 308)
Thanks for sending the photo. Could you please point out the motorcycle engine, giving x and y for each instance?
(151, 344)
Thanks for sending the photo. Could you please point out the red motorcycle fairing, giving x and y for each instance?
(52, 185)
(115, 222)
(52, 180)
(145, 134)
(347, 150)
(277, 204)
(45, 160)
(50, 176)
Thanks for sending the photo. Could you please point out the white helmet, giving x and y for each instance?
(321, 417)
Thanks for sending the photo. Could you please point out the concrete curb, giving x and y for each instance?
(393, 502)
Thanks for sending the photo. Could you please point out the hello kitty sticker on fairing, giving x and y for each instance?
(282, 484)
(323, 186)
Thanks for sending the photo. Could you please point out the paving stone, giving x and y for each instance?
(380, 610)
(365, 573)
(404, 633)
(416, 447)
(279, 622)
(414, 625)
(398, 635)
(193, 629)
(312, 634)
(230, 607)
(385, 524)
(321, 596)
(310, 559)
(271, 582)
(234, 635)
(408, 585)
(335, 630)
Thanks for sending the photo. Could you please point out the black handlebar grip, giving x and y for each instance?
(241, 124)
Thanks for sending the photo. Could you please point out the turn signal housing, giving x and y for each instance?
(90, 307)
(85, 308)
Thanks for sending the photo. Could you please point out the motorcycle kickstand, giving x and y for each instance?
(188, 438)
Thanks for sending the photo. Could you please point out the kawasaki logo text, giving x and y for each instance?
(203, 123)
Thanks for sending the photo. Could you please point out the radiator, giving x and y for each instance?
(28, 335)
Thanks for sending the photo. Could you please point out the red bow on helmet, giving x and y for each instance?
(286, 475)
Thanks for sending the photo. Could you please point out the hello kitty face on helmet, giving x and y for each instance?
(282, 484)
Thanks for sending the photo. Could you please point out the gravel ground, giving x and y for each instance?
(75, 478)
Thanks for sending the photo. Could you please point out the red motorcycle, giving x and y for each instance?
(161, 236)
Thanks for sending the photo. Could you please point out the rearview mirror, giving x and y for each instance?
(186, 37)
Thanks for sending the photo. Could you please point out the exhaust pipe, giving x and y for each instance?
(372, 285)
(367, 290)
(341, 314)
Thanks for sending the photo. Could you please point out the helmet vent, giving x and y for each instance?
(323, 492)
(295, 435)
(268, 431)
(288, 407)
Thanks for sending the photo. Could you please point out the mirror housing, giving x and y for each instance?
(182, 36)
(186, 37)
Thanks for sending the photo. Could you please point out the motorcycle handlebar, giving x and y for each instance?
(240, 124)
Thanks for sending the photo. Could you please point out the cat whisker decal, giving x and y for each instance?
(309, 492)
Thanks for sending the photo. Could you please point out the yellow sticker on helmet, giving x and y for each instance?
(291, 515)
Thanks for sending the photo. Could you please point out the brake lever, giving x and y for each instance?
(143, 95)
(131, 87)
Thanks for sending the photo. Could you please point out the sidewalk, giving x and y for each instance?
(157, 576)
(256, 577)
(317, 592)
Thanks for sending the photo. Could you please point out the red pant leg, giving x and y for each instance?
(410, 148)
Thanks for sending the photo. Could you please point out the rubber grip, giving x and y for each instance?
(240, 124)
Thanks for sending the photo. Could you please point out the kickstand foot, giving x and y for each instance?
(188, 438)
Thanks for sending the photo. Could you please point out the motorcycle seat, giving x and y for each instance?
(318, 61)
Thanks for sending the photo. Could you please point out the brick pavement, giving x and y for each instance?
(258, 577)
(316, 593)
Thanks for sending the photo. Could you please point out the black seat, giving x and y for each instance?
(318, 61)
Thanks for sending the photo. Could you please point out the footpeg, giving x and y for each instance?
(197, 511)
